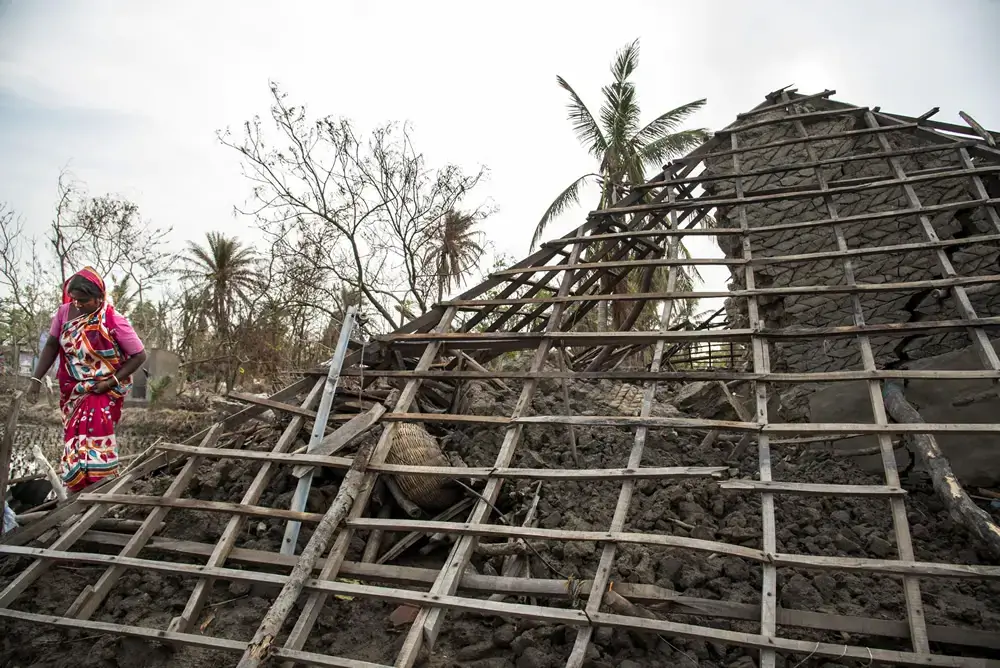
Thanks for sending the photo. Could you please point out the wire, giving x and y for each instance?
(815, 649)
(500, 516)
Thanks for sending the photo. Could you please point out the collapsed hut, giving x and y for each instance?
(503, 483)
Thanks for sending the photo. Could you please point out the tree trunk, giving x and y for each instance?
(961, 508)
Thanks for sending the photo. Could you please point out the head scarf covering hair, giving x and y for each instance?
(87, 273)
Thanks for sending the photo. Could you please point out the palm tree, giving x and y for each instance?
(455, 250)
(222, 274)
(121, 296)
(624, 149)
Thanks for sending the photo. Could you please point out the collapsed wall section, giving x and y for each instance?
(927, 171)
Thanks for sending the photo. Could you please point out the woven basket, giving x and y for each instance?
(411, 444)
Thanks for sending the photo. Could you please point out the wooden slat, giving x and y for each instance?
(314, 604)
(826, 114)
(234, 420)
(468, 340)
(246, 509)
(709, 202)
(766, 260)
(713, 176)
(910, 286)
(810, 489)
(986, 353)
(942, 125)
(90, 599)
(551, 615)
(427, 623)
(227, 541)
(408, 576)
(784, 105)
(770, 428)
(911, 586)
(797, 561)
(342, 436)
(761, 363)
(182, 639)
(603, 574)
(459, 472)
(874, 216)
(273, 405)
(711, 375)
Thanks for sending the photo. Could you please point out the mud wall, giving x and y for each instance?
(974, 457)
(807, 311)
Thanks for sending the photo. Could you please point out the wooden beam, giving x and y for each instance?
(342, 436)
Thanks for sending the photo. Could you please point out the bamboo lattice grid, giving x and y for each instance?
(542, 305)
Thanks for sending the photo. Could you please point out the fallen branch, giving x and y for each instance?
(260, 647)
(961, 508)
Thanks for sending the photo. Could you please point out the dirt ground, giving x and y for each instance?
(361, 629)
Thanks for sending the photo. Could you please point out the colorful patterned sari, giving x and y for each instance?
(89, 354)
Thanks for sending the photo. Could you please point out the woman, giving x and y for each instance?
(98, 353)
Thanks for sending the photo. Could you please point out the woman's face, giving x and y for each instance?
(83, 302)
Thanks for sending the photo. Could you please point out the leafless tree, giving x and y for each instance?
(108, 233)
(22, 278)
(360, 211)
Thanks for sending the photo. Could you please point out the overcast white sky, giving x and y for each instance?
(130, 94)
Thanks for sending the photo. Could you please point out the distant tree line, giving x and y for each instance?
(347, 220)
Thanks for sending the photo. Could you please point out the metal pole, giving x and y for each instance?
(288, 544)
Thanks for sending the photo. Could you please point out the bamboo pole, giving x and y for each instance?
(50, 473)
(961, 508)
(260, 647)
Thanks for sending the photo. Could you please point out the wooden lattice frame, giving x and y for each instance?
(647, 224)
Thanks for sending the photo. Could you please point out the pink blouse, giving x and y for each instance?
(118, 326)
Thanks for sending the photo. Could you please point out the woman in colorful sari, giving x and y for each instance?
(98, 352)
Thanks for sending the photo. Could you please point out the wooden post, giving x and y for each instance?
(563, 366)
(961, 508)
(259, 648)
(7, 444)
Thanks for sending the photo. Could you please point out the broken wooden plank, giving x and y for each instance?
(343, 435)
(811, 489)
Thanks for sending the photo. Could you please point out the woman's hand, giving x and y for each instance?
(103, 386)
(33, 388)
